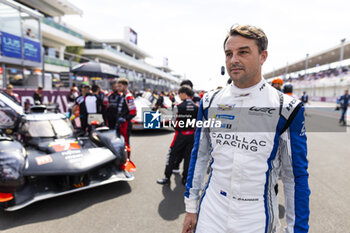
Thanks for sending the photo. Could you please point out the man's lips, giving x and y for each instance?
(236, 69)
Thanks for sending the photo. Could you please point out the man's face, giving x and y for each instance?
(182, 96)
(121, 87)
(346, 92)
(9, 90)
(276, 85)
(114, 87)
(243, 61)
(85, 90)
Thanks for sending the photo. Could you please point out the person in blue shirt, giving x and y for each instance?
(344, 102)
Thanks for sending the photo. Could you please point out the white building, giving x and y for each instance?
(50, 37)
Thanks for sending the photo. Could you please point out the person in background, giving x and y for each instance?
(71, 97)
(38, 95)
(112, 108)
(93, 103)
(98, 98)
(344, 102)
(277, 83)
(29, 33)
(9, 93)
(288, 90)
(196, 98)
(27, 106)
(304, 98)
(182, 143)
(103, 96)
(126, 110)
(160, 102)
(172, 99)
(83, 113)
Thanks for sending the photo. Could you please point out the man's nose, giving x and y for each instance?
(234, 58)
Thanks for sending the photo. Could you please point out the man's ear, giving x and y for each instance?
(263, 57)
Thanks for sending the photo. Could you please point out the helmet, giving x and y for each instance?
(277, 80)
(288, 88)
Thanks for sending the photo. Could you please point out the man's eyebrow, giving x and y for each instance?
(245, 47)
(240, 48)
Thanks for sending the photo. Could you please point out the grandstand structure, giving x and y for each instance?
(323, 76)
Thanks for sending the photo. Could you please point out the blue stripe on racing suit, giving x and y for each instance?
(202, 146)
(300, 165)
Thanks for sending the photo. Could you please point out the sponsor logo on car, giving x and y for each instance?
(71, 152)
(63, 146)
(45, 159)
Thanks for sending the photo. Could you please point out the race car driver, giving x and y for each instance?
(261, 134)
(126, 109)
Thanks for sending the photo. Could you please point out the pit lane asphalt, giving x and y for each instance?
(144, 206)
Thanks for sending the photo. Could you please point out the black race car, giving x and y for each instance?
(41, 158)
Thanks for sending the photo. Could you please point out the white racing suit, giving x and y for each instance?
(262, 135)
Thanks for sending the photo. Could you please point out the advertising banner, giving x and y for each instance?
(11, 45)
(32, 50)
(49, 97)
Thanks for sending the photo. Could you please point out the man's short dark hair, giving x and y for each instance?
(95, 88)
(123, 81)
(40, 87)
(186, 90)
(249, 32)
(187, 82)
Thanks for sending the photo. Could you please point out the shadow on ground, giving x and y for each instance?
(63, 206)
(173, 203)
(151, 132)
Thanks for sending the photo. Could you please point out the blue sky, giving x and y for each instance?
(191, 32)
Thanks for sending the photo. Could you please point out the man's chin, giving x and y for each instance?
(236, 78)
